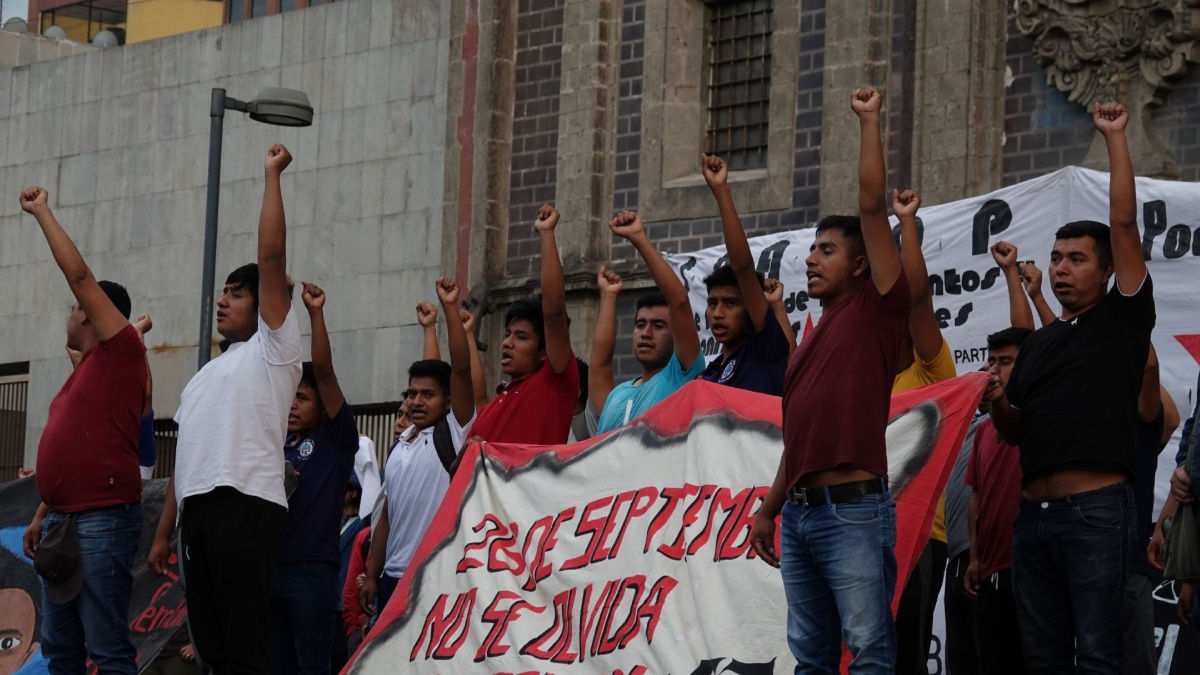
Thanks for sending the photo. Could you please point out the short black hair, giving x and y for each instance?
(1011, 336)
(437, 369)
(529, 309)
(724, 276)
(651, 299)
(1099, 233)
(119, 297)
(245, 277)
(308, 377)
(851, 229)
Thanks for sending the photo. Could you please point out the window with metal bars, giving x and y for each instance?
(739, 82)
(14, 392)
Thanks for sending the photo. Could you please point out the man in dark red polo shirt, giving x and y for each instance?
(839, 520)
(537, 403)
(87, 467)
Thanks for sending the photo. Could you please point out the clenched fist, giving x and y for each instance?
(547, 218)
(866, 101)
(773, 289)
(905, 204)
(1005, 254)
(278, 159)
(34, 199)
(313, 296)
(627, 225)
(716, 171)
(447, 291)
(426, 314)
(609, 282)
(1110, 117)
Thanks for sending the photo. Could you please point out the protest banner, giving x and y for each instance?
(629, 553)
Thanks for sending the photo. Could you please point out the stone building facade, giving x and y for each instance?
(442, 125)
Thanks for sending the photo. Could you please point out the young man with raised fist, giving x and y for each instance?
(839, 521)
(87, 470)
(229, 462)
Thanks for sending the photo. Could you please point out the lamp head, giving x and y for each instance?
(281, 107)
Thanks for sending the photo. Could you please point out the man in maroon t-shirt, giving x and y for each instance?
(537, 404)
(839, 524)
(994, 473)
(87, 468)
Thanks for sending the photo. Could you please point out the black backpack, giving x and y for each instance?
(443, 442)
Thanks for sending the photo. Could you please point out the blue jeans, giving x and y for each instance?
(99, 616)
(839, 576)
(304, 599)
(1070, 562)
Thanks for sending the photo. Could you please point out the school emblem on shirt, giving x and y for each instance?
(728, 371)
(306, 449)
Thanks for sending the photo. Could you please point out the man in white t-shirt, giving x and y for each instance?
(416, 476)
(229, 462)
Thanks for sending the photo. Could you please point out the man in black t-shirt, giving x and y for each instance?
(321, 444)
(1071, 405)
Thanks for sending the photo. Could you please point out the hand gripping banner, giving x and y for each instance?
(629, 554)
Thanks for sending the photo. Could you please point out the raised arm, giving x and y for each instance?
(322, 355)
(142, 325)
(628, 226)
(922, 323)
(1019, 314)
(100, 311)
(554, 294)
(273, 298)
(872, 176)
(1031, 276)
(773, 289)
(462, 391)
(427, 314)
(1130, 267)
(600, 370)
(741, 261)
(478, 375)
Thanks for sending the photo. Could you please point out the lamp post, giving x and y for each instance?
(273, 105)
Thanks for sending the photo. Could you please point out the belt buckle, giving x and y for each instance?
(801, 496)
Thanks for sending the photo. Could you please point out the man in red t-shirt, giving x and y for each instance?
(839, 521)
(994, 473)
(537, 403)
(87, 469)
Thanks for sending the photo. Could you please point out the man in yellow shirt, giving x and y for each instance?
(925, 359)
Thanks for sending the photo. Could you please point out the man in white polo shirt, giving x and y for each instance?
(417, 473)
(229, 462)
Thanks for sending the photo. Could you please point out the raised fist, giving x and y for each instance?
(313, 296)
(773, 289)
(627, 225)
(1109, 117)
(716, 171)
(142, 325)
(447, 291)
(426, 314)
(609, 282)
(468, 320)
(1031, 276)
(866, 101)
(1005, 254)
(905, 204)
(34, 199)
(278, 159)
(547, 218)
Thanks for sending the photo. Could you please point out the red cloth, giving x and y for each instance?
(994, 471)
(838, 387)
(533, 409)
(352, 614)
(88, 454)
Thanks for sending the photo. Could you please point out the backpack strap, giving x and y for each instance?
(443, 442)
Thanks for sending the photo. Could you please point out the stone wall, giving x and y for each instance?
(120, 139)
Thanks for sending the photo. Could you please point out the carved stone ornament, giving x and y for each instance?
(1130, 51)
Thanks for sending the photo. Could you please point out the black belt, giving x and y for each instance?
(842, 493)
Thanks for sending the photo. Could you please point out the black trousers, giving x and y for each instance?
(914, 617)
(962, 657)
(999, 637)
(227, 544)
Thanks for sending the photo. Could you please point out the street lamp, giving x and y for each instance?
(273, 105)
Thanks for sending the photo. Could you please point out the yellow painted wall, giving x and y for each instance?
(150, 19)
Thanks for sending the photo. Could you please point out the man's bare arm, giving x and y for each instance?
(872, 175)
(92, 299)
(1129, 264)
(604, 339)
(554, 293)
(1005, 255)
(922, 322)
(737, 247)
(322, 354)
(274, 301)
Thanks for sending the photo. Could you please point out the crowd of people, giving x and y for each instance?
(291, 540)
